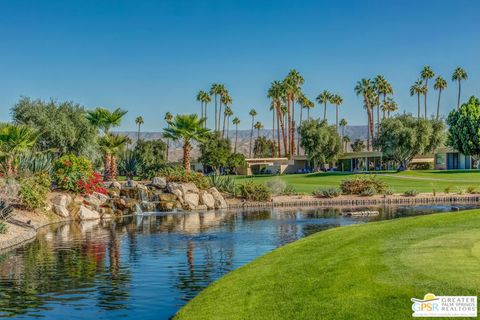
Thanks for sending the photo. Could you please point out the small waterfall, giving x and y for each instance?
(138, 209)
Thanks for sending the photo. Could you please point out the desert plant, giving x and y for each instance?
(410, 193)
(471, 189)
(179, 174)
(368, 192)
(256, 192)
(389, 191)
(277, 186)
(32, 163)
(289, 190)
(129, 164)
(447, 190)
(358, 184)
(34, 190)
(223, 184)
(327, 192)
(461, 190)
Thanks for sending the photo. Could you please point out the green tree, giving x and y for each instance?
(321, 142)
(235, 161)
(252, 113)
(112, 145)
(15, 140)
(323, 98)
(403, 137)
(418, 88)
(262, 147)
(236, 122)
(139, 121)
(214, 151)
(390, 106)
(186, 127)
(426, 74)
(464, 129)
(150, 155)
(458, 75)
(358, 145)
(440, 85)
(63, 125)
(258, 125)
(105, 119)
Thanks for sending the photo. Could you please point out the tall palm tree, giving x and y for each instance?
(391, 106)
(295, 80)
(215, 90)
(227, 101)
(323, 98)
(258, 125)
(304, 103)
(458, 75)
(417, 89)
(383, 88)
(206, 99)
(426, 74)
(236, 122)
(440, 85)
(186, 127)
(14, 141)
(223, 93)
(346, 141)
(252, 113)
(199, 98)
(227, 113)
(168, 117)
(112, 145)
(365, 89)
(275, 92)
(272, 108)
(105, 119)
(336, 100)
(139, 121)
(343, 124)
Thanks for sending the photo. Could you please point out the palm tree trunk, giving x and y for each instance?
(251, 136)
(8, 166)
(219, 113)
(336, 115)
(273, 132)
(205, 115)
(438, 103)
(278, 130)
(215, 112)
(418, 116)
(325, 111)
(223, 129)
(282, 126)
(113, 167)
(228, 125)
(138, 133)
(459, 90)
(186, 155)
(236, 138)
(343, 136)
(106, 166)
(289, 123)
(293, 128)
(425, 100)
(201, 109)
(308, 113)
(378, 120)
(298, 136)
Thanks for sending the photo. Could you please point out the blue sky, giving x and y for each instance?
(150, 57)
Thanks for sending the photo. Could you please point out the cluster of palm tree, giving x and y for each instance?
(221, 98)
(420, 87)
(376, 94)
(15, 140)
(110, 144)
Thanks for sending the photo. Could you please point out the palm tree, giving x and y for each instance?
(336, 100)
(215, 90)
(343, 124)
(227, 101)
(295, 81)
(275, 92)
(365, 88)
(168, 117)
(324, 98)
(186, 127)
(223, 93)
(227, 113)
(252, 113)
(458, 75)
(201, 98)
(112, 145)
(272, 108)
(14, 141)
(105, 119)
(382, 88)
(391, 106)
(417, 89)
(236, 122)
(440, 85)
(346, 141)
(304, 103)
(426, 74)
(139, 121)
(206, 99)
(258, 125)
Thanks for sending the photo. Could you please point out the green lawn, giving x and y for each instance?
(367, 271)
(422, 181)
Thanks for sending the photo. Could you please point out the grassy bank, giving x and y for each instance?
(422, 181)
(367, 271)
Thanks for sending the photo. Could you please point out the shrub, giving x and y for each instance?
(368, 192)
(34, 190)
(223, 184)
(358, 184)
(327, 192)
(421, 166)
(389, 191)
(179, 174)
(461, 190)
(256, 192)
(411, 193)
(75, 174)
(289, 190)
(471, 189)
(447, 190)
(277, 186)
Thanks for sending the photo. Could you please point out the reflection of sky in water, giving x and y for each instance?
(148, 267)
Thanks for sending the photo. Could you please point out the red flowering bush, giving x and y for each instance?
(73, 173)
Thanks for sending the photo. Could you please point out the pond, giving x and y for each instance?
(147, 267)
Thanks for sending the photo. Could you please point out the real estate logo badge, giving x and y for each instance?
(444, 306)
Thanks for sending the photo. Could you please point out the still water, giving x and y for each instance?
(147, 267)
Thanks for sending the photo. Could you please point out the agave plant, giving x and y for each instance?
(32, 163)
(223, 183)
(129, 164)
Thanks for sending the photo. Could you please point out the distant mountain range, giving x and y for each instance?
(175, 153)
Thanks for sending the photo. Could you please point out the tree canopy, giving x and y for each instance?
(215, 151)
(404, 136)
(321, 141)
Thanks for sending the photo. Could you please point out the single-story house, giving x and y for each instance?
(450, 159)
(274, 165)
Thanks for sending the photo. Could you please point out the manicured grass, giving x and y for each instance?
(367, 271)
(422, 181)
